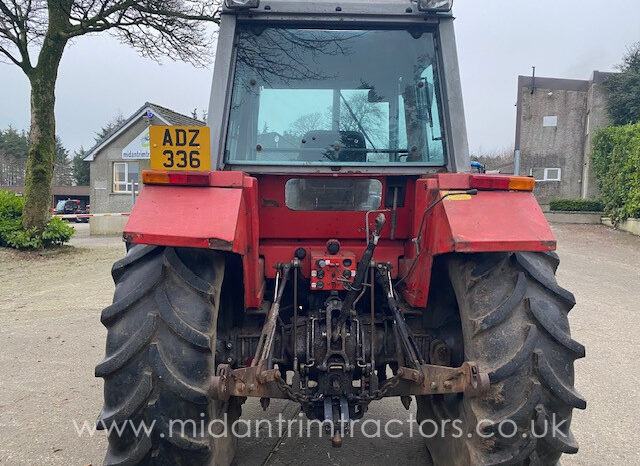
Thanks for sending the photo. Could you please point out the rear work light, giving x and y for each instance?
(241, 4)
(435, 5)
(502, 183)
(175, 178)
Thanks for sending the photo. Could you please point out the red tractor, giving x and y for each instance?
(332, 247)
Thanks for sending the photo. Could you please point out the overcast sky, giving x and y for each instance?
(497, 41)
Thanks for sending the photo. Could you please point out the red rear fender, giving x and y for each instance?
(491, 221)
(222, 216)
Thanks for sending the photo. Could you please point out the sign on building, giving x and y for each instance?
(138, 149)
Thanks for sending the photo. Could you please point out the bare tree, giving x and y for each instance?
(14, 147)
(109, 128)
(281, 55)
(157, 28)
(62, 171)
(358, 114)
(308, 122)
(500, 159)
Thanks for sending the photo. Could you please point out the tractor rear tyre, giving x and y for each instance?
(160, 357)
(514, 324)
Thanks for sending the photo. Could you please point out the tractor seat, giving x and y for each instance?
(328, 141)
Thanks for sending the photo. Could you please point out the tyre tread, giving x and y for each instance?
(147, 335)
(517, 359)
(124, 411)
(533, 269)
(562, 391)
(502, 312)
(178, 325)
(171, 377)
(522, 339)
(128, 350)
(543, 313)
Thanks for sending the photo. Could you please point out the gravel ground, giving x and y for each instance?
(51, 340)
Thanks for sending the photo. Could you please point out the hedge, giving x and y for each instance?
(576, 205)
(12, 235)
(616, 162)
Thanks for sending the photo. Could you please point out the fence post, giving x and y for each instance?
(133, 193)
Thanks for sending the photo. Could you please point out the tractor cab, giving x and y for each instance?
(316, 87)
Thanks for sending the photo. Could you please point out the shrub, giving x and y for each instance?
(12, 235)
(10, 205)
(616, 162)
(576, 205)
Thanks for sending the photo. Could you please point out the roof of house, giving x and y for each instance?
(166, 115)
(175, 118)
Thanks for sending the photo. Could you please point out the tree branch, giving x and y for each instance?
(8, 54)
(14, 30)
(149, 10)
(157, 28)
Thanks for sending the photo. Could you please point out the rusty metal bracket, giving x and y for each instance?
(258, 382)
(252, 381)
(219, 383)
(434, 380)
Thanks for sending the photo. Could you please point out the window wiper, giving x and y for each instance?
(377, 151)
(355, 118)
(424, 100)
(350, 149)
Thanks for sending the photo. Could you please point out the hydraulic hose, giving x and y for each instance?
(363, 267)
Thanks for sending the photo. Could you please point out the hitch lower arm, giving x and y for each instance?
(259, 382)
(432, 380)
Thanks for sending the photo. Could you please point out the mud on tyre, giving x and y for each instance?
(161, 331)
(514, 323)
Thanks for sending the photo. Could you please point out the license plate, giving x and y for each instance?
(180, 148)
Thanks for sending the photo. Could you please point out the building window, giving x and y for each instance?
(550, 122)
(546, 174)
(125, 175)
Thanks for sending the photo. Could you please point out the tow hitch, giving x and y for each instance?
(333, 352)
(429, 380)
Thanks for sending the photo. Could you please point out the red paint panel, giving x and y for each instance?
(493, 221)
(221, 218)
(224, 179)
(416, 289)
(453, 180)
(248, 216)
(252, 264)
(275, 252)
(186, 216)
(277, 221)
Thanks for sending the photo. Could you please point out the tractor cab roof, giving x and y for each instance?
(388, 10)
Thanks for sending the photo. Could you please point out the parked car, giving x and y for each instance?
(72, 207)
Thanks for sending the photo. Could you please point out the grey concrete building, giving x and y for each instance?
(117, 161)
(556, 122)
